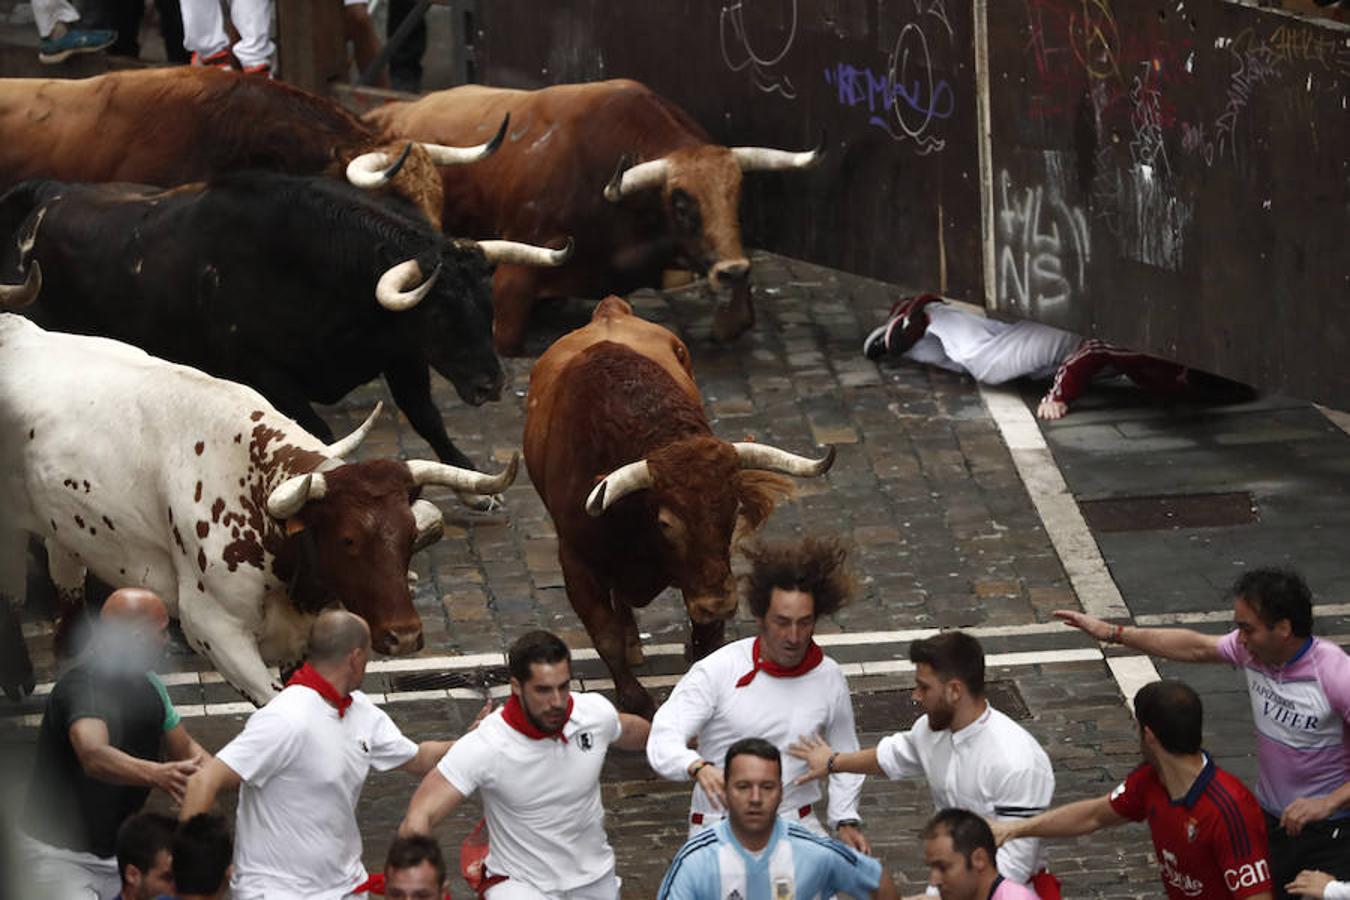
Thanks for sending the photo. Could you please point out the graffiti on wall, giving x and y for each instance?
(741, 55)
(908, 99)
(1042, 242)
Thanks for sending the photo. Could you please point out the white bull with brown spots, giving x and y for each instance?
(155, 475)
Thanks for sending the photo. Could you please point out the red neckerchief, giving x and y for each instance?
(812, 659)
(306, 676)
(514, 714)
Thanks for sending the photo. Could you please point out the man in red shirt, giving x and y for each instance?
(1208, 829)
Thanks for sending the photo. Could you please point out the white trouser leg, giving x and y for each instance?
(46, 13)
(253, 19)
(204, 27)
(606, 887)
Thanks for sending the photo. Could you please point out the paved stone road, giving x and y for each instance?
(924, 488)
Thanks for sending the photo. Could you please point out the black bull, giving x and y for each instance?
(266, 279)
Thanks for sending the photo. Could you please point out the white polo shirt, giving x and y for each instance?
(992, 767)
(541, 797)
(303, 767)
(707, 704)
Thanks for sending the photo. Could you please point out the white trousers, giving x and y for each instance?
(204, 29)
(988, 350)
(606, 887)
(46, 13)
(56, 873)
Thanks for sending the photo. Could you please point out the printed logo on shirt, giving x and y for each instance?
(1120, 789)
(1192, 830)
(735, 895)
(782, 889)
(1248, 875)
(585, 741)
(365, 748)
(1191, 887)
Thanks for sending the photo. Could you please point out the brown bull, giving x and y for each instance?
(643, 495)
(564, 171)
(173, 126)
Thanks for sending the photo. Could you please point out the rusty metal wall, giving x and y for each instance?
(889, 82)
(1171, 176)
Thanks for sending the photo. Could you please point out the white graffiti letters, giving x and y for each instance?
(1043, 245)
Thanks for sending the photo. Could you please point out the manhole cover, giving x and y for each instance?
(474, 679)
(888, 711)
(1167, 512)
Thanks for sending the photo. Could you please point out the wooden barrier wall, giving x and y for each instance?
(1172, 176)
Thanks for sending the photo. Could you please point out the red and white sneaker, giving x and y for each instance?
(906, 324)
(261, 70)
(221, 59)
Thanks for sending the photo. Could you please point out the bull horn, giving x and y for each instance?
(442, 155)
(291, 495)
(391, 290)
(618, 484)
(650, 174)
(764, 159)
(17, 296)
(429, 522)
(763, 456)
(339, 449)
(372, 170)
(499, 252)
(465, 481)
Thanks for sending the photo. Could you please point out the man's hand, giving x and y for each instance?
(172, 777)
(852, 836)
(712, 781)
(1052, 409)
(1305, 810)
(816, 753)
(1309, 883)
(1003, 832)
(1090, 625)
(482, 714)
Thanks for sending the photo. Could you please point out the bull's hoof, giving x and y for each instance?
(482, 502)
(637, 701)
(729, 324)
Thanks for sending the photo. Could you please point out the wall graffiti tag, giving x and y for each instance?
(739, 54)
(909, 100)
(1043, 247)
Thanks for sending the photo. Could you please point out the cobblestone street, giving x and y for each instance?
(945, 535)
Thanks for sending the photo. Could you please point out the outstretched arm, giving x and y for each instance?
(1070, 820)
(818, 756)
(633, 732)
(435, 799)
(102, 761)
(203, 787)
(1180, 644)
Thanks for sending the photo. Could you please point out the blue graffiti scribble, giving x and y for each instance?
(857, 86)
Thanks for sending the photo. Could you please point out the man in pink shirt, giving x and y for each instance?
(1300, 694)
(958, 848)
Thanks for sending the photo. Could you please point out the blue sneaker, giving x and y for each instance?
(56, 50)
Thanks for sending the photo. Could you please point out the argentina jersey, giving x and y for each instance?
(796, 864)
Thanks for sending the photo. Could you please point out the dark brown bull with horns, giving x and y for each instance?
(637, 182)
(643, 495)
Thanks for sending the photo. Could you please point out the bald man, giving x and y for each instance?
(302, 760)
(109, 734)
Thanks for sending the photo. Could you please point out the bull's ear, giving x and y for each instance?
(294, 525)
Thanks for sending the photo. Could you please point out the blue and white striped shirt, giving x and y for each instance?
(796, 864)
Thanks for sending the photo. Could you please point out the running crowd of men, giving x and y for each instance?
(757, 726)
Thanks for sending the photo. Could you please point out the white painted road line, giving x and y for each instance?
(1226, 615)
(1059, 512)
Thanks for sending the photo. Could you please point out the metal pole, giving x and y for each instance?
(405, 28)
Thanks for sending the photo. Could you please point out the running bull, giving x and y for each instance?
(155, 475)
(643, 495)
(636, 180)
(301, 287)
(178, 125)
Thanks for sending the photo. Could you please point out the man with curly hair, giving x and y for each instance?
(777, 686)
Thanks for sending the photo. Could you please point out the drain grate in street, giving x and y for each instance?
(474, 679)
(887, 711)
(1173, 511)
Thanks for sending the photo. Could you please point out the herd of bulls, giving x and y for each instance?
(198, 256)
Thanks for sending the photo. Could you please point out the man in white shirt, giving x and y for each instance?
(537, 761)
(973, 756)
(776, 686)
(302, 760)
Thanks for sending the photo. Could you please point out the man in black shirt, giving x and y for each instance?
(107, 726)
